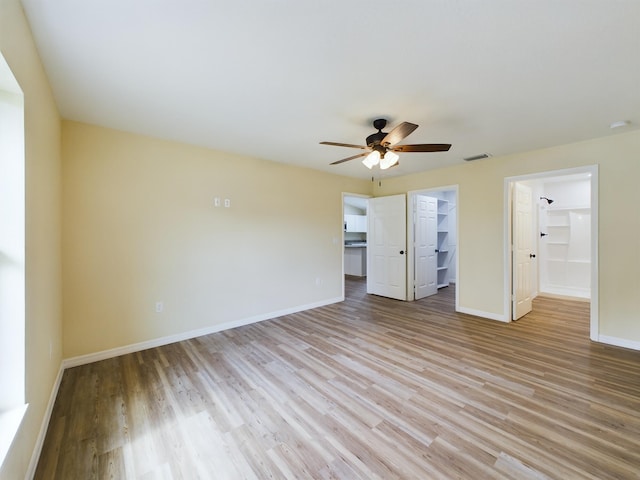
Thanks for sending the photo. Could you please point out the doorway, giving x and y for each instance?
(432, 233)
(391, 255)
(354, 238)
(561, 246)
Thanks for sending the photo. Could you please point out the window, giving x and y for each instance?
(12, 258)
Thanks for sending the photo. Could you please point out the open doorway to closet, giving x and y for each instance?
(552, 232)
(432, 231)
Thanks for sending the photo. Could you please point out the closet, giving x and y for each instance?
(434, 237)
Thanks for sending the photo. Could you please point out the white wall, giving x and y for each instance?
(565, 253)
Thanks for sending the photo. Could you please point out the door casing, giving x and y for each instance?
(411, 234)
(346, 194)
(592, 170)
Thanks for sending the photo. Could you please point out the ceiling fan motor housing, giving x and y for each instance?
(379, 123)
(383, 143)
(375, 139)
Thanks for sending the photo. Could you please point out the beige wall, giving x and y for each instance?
(43, 267)
(140, 227)
(481, 210)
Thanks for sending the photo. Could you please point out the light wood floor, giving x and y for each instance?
(370, 388)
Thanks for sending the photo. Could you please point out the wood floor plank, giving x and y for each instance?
(368, 388)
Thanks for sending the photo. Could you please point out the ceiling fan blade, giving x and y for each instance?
(349, 158)
(336, 144)
(398, 133)
(424, 147)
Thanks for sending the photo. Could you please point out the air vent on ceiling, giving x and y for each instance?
(477, 157)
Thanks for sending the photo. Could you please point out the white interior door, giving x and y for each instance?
(426, 237)
(386, 247)
(522, 250)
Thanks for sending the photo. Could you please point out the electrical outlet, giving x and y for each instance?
(159, 307)
(227, 203)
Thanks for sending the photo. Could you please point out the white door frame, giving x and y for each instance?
(346, 194)
(410, 235)
(592, 170)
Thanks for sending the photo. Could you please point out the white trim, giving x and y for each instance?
(618, 342)
(594, 324)
(480, 313)
(44, 425)
(586, 299)
(411, 194)
(10, 421)
(594, 320)
(158, 342)
(346, 194)
(569, 293)
(136, 347)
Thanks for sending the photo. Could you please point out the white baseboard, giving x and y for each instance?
(619, 342)
(564, 297)
(114, 352)
(37, 448)
(158, 342)
(480, 313)
(584, 293)
(136, 347)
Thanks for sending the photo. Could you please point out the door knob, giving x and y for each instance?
(401, 252)
(532, 255)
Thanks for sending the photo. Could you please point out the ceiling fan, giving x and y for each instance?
(381, 146)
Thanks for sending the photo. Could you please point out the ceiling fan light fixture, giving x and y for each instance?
(388, 160)
(372, 159)
(380, 148)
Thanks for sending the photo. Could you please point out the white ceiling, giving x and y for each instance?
(272, 78)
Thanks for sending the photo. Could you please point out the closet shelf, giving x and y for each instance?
(564, 260)
(564, 209)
